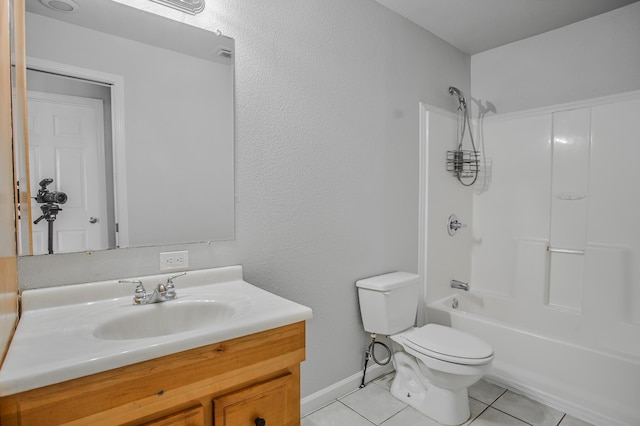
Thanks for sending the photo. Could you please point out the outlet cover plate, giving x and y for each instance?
(172, 260)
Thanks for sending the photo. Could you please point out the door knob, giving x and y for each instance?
(261, 422)
(93, 219)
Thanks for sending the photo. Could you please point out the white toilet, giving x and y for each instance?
(438, 363)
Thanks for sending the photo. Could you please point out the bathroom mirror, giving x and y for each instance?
(131, 118)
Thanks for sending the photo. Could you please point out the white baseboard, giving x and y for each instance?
(331, 393)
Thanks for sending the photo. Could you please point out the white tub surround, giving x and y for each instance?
(56, 337)
(551, 251)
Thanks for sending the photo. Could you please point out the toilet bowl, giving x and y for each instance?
(434, 368)
(434, 364)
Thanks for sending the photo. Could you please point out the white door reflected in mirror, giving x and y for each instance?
(66, 145)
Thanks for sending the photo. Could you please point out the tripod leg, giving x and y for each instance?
(50, 224)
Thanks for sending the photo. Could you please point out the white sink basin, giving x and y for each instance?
(77, 330)
(161, 319)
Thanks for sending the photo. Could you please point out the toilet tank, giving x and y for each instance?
(389, 302)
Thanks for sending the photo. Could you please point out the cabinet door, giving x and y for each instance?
(191, 417)
(264, 404)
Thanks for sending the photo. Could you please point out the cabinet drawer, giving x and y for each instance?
(270, 401)
(191, 417)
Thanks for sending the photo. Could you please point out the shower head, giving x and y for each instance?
(453, 91)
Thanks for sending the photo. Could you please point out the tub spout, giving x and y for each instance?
(460, 285)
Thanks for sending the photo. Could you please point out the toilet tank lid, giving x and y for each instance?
(388, 281)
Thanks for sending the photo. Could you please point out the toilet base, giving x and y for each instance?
(442, 405)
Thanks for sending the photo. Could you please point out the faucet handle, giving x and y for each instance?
(140, 294)
(170, 289)
(170, 279)
(454, 224)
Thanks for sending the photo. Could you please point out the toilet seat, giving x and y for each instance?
(448, 344)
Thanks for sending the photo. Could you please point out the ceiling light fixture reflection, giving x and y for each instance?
(188, 6)
(61, 5)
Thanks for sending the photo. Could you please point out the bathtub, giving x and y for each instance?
(550, 359)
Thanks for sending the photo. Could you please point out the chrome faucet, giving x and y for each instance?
(460, 285)
(162, 293)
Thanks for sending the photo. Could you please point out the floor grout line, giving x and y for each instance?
(366, 419)
(480, 413)
(499, 396)
(504, 412)
(511, 415)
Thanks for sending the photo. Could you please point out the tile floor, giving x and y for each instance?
(491, 405)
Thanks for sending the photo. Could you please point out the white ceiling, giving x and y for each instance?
(474, 26)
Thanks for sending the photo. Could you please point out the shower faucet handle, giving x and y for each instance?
(454, 224)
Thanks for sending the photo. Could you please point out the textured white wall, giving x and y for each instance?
(595, 57)
(327, 96)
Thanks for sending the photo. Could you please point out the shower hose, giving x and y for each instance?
(370, 353)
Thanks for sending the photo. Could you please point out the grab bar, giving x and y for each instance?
(565, 251)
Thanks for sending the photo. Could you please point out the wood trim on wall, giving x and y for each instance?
(8, 260)
(22, 173)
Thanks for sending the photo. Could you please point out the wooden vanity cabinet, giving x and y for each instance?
(248, 381)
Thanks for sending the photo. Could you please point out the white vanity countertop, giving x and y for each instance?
(55, 338)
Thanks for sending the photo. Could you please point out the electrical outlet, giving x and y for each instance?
(174, 260)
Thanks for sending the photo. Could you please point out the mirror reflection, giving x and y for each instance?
(130, 131)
